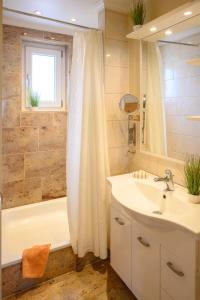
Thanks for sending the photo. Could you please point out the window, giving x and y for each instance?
(44, 75)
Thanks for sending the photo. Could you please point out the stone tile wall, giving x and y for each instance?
(116, 85)
(34, 143)
(181, 98)
(60, 262)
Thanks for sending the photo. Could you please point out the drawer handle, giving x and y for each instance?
(119, 221)
(177, 272)
(140, 239)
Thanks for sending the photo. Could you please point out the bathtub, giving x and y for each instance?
(34, 224)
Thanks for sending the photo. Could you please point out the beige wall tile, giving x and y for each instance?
(119, 161)
(134, 67)
(182, 91)
(116, 25)
(116, 84)
(37, 34)
(21, 129)
(116, 53)
(157, 166)
(60, 119)
(60, 262)
(11, 58)
(58, 37)
(11, 113)
(20, 140)
(53, 186)
(11, 85)
(36, 119)
(22, 192)
(45, 163)
(116, 80)
(52, 138)
(113, 111)
(117, 133)
(13, 167)
(11, 35)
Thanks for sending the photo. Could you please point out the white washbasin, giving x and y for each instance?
(147, 202)
(167, 203)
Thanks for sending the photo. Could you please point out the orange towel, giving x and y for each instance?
(34, 261)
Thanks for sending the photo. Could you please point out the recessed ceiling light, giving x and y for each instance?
(153, 29)
(73, 19)
(52, 38)
(168, 32)
(188, 13)
(25, 33)
(108, 55)
(37, 12)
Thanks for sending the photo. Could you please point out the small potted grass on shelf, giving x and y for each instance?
(138, 14)
(33, 99)
(192, 177)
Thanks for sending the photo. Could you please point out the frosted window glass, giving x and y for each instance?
(43, 76)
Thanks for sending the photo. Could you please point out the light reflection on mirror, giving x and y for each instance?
(171, 83)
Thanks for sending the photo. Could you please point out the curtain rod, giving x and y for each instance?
(179, 43)
(46, 18)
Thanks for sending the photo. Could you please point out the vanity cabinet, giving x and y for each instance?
(120, 245)
(145, 256)
(155, 264)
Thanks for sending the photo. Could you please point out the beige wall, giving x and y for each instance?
(0, 101)
(150, 163)
(117, 82)
(0, 135)
(116, 85)
(159, 7)
(181, 98)
(34, 143)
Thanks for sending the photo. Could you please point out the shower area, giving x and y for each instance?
(35, 143)
(34, 165)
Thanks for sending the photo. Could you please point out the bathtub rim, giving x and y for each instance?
(56, 247)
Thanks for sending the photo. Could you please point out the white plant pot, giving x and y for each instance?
(194, 198)
(136, 27)
(34, 108)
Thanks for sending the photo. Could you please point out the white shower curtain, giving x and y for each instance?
(87, 156)
(156, 133)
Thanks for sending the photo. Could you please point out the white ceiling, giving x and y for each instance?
(85, 11)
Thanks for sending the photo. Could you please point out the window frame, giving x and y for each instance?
(59, 51)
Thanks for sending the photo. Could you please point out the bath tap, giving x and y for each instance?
(168, 179)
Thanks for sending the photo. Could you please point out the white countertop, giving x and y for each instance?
(142, 197)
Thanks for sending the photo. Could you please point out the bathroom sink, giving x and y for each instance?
(166, 203)
(146, 201)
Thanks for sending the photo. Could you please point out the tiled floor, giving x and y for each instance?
(96, 282)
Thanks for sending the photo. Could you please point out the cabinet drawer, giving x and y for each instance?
(177, 275)
(179, 243)
(165, 296)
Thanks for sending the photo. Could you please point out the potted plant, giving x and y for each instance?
(138, 14)
(192, 177)
(33, 99)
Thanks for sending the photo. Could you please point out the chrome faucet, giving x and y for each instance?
(168, 179)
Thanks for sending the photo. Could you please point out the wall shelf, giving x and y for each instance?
(194, 61)
(193, 118)
(174, 19)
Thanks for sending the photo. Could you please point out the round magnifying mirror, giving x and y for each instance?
(128, 103)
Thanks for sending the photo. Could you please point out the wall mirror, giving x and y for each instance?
(170, 91)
